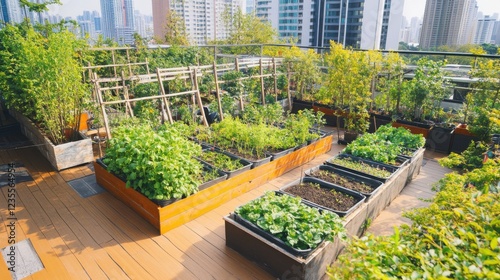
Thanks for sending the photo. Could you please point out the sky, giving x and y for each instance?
(412, 8)
(415, 8)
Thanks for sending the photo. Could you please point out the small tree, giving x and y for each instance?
(305, 71)
(176, 30)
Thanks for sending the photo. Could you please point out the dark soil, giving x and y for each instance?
(341, 181)
(322, 196)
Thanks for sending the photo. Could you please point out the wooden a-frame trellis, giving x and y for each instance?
(159, 77)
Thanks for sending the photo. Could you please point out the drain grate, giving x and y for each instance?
(86, 186)
(23, 260)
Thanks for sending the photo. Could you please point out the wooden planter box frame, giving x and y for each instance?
(187, 209)
(285, 265)
(60, 156)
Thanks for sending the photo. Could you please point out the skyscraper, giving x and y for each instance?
(10, 11)
(202, 18)
(448, 22)
(117, 20)
(484, 30)
(367, 24)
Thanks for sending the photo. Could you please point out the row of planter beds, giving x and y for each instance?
(229, 184)
(440, 139)
(332, 187)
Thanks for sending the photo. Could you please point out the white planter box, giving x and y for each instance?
(60, 156)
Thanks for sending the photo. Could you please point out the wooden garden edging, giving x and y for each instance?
(187, 209)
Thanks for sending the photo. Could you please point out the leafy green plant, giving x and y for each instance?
(468, 160)
(371, 146)
(298, 225)
(159, 164)
(400, 136)
(221, 161)
(361, 166)
(41, 76)
(456, 237)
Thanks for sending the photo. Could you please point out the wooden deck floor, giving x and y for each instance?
(82, 238)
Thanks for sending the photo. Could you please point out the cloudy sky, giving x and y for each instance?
(412, 8)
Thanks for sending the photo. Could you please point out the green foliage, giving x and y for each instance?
(361, 166)
(270, 114)
(350, 76)
(400, 136)
(423, 94)
(389, 83)
(370, 146)
(159, 164)
(470, 159)
(175, 28)
(221, 161)
(456, 237)
(385, 144)
(299, 226)
(42, 78)
(305, 71)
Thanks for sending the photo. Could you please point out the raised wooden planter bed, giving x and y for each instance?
(285, 265)
(187, 209)
(275, 259)
(60, 156)
(415, 128)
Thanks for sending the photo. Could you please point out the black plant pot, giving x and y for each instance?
(439, 139)
(377, 121)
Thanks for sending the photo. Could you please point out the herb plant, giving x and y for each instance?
(159, 164)
(361, 166)
(299, 226)
(221, 161)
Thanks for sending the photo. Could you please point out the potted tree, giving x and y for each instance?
(42, 86)
(349, 82)
(422, 97)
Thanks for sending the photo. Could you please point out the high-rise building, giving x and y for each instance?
(10, 11)
(484, 30)
(366, 24)
(117, 20)
(495, 38)
(203, 19)
(448, 22)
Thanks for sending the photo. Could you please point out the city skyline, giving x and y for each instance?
(411, 8)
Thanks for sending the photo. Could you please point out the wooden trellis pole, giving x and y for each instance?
(275, 80)
(198, 97)
(263, 95)
(164, 101)
(217, 92)
(102, 105)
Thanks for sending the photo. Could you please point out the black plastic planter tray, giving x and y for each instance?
(272, 238)
(209, 168)
(402, 160)
(374, 184)
(254, 163)
(323, 184)
(280, 154)
(246, 164)
(379, 165)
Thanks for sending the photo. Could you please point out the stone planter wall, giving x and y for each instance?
(60, 156)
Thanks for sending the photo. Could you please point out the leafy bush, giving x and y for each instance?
(298, 225)
(385, 144)
(468, 160)
(159, 164)
(456, 237)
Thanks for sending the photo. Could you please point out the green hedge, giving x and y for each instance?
(456, 237)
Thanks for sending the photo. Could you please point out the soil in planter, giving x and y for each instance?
(322, 196)
(342, 181)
